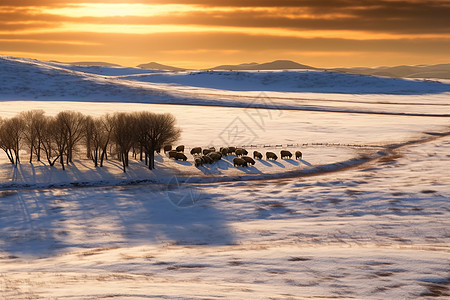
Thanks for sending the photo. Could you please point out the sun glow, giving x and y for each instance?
(119, 10)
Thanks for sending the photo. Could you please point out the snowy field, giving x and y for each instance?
(365, 214)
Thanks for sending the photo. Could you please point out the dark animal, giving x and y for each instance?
(240, 162)
(167, 148)
(180, 156)
(271, 155)
(215, 156)
(224, 151)
(257, 155)
(196, 150)
(298, 155)
(180, 148)
(172, 154)
(198, 161)
(249, 160)
(231, 150)
(207, 160)
(285, 153)
(207, 151)
(241, 151)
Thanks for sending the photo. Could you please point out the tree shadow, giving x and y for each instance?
(44, 222)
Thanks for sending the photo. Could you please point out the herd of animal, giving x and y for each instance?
(211, 155)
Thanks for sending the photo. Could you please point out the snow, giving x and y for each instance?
(365, 214)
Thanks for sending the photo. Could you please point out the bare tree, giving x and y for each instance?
(97, 136)
(155, 130)
(11, 136)
(124, 134)
(33, 126)
(49, 141)
(72, 126)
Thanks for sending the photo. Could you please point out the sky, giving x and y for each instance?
(206, 33)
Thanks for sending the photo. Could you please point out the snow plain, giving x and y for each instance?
(364, 215)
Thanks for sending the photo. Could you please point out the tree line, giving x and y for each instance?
(58, 138)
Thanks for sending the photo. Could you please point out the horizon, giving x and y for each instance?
(200, 34)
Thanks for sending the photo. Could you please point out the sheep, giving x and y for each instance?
(257, 155)
(180, 156)
(180, 148)
(241, 151)
(198, 161)
(196, 150)
(240, 162)
(215, 156)
(167, 148)
(207, 160)
(271, 155)
(172, 154)
(249, 160)
(298, 155)
(285, 153)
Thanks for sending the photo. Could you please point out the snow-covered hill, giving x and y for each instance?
(32, 79)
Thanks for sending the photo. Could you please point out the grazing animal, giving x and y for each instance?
(180, 148)
(224, 151)
(241, 151)
(298, 155)
(285, 153)
(249, 160)
(240, 162)
(257, 155)
(207, 160)
(180, 156)
(198, 161)
(231, 150)
(207, 151)
(196, 150)
(172, 154)
(271, 155)
(167, 148)
(215, 156)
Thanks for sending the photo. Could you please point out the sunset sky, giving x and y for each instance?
(201, 34)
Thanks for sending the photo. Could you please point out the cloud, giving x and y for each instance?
(402, 17)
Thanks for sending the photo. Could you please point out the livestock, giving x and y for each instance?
(198, 161)
(231, 150)
(180, 156)
(271, 155)
(240, 162)
(298, 155)
(167, 148)
(215, 156)
(180, 148)
(241, 151)
(206, 151)
(285, 153)
(224, 151)
(249, 160)
(207, 160)
(196, 150)
(257, 155)
(172, 154)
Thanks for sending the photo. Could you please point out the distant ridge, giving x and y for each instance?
(90, 63)
(157, 66)
(274, 65)
(441, 71)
